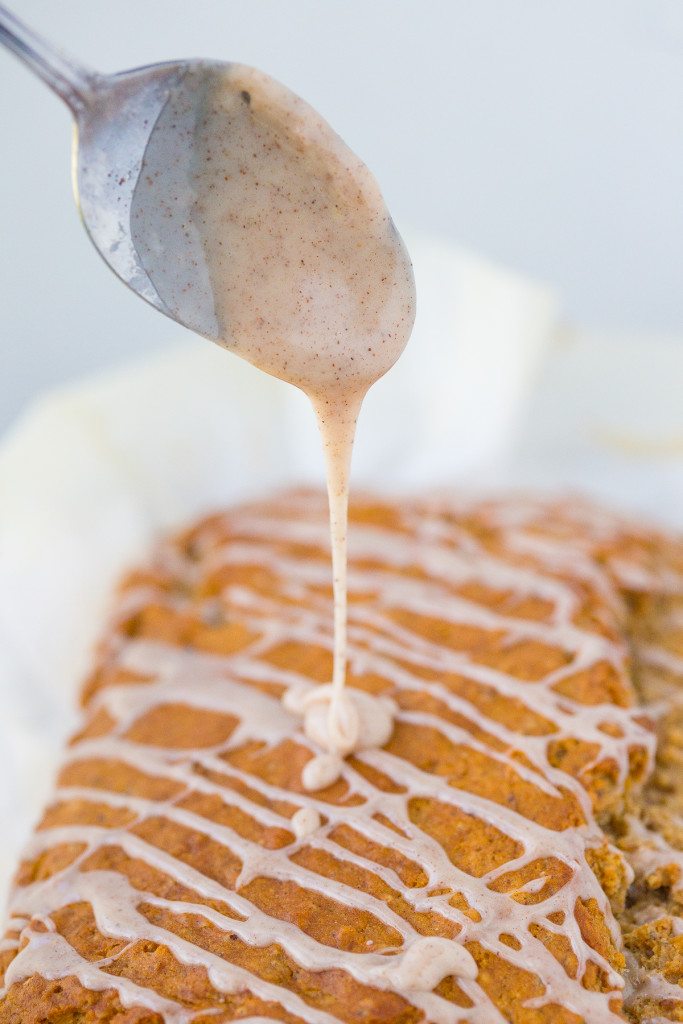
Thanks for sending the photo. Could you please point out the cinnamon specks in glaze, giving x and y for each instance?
(456, 873)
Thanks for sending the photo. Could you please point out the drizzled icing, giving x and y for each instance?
(428, 961)
(305, 822)
(361, 722)
(416, 569)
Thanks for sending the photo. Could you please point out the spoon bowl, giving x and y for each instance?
(230, 205)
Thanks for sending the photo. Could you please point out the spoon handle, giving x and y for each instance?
(71, 81)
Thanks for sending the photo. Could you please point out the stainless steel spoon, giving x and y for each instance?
(114, 116)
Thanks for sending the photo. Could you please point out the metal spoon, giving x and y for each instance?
(114, 116)
(155, 146)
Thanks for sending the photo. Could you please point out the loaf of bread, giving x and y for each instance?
(514, 853)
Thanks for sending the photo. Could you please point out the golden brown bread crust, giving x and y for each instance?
(472, 678)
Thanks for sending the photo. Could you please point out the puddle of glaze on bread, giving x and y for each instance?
(528, 808)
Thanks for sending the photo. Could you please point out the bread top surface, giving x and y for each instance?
(467, 871)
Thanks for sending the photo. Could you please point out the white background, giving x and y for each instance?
(546, 134)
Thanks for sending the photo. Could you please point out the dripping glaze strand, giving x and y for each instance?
(283, 252)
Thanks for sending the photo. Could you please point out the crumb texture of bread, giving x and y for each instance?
(512, 855)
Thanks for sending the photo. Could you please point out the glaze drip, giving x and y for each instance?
(284, 253)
